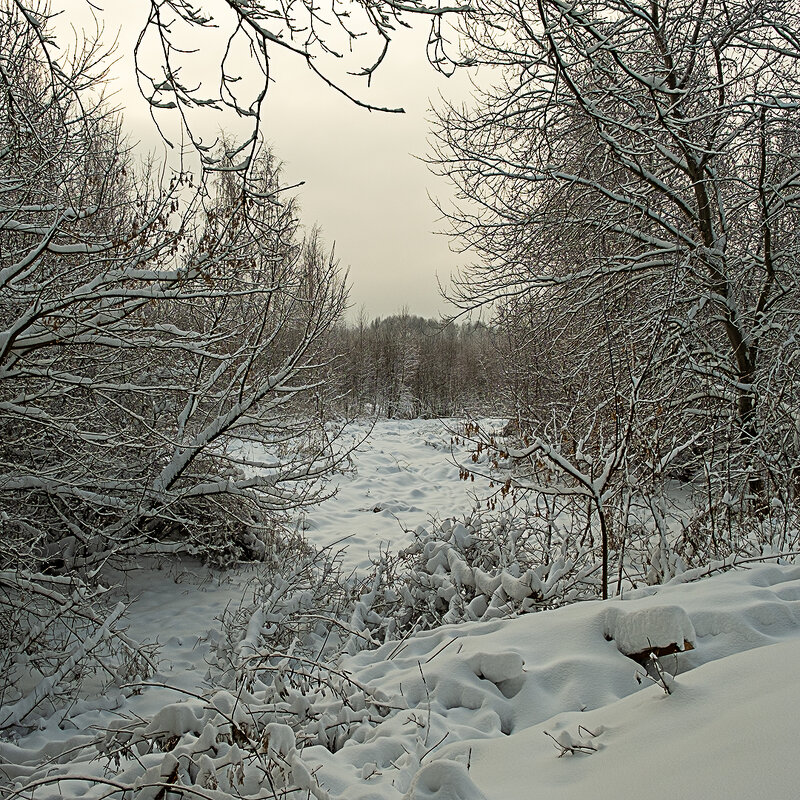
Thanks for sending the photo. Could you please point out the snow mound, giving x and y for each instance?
(658, 629)
(498, 667)
(726, 733)
(443, 780)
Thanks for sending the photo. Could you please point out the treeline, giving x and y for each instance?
(407, 366)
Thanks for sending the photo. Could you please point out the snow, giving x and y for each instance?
(644, 629)
(443, 780)
(725, 732)
(406, 476)
(546, 704)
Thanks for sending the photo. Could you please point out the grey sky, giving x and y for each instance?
(363, 185)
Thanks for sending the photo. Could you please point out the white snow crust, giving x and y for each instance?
(642, 629)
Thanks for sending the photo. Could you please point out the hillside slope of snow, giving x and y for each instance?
(544, 704)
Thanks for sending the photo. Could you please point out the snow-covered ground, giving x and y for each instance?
(542, 705)
(406, 474)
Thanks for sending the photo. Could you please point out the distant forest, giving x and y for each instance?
(407, 366)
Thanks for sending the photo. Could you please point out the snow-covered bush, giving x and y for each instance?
(223, 741)
(276, 687)
(59, 633)
(722, 530)
(625, 514)
(542, 553)
(475, 570)
(281, 645)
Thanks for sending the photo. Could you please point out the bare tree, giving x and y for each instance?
(358, 32)
(160, 356)
(634, 175)
(179, 80)
(142, 335)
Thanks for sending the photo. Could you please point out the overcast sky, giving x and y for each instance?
(363, 184)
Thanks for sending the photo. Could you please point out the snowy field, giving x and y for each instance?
(407, 474)
(545, 705)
